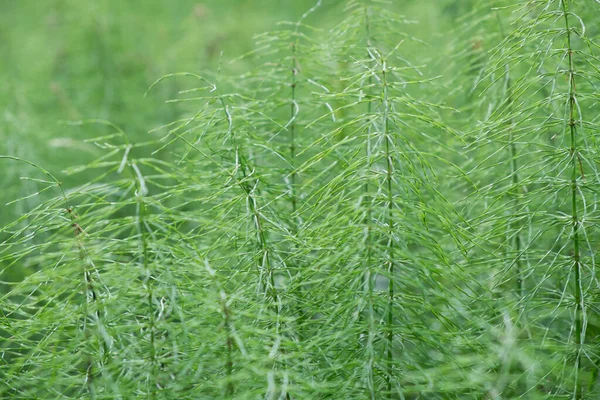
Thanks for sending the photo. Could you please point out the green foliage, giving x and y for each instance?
(331, 215)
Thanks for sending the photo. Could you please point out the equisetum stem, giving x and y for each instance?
(264, 263)
(369, 231)
(229, 364)
(228, 325)
(90, 293)
(575, 166)
(295, 220)
(390, 225)
(293, 130)
(147, 274)
(514, 168)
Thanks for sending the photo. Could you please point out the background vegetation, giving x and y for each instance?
(336, 200)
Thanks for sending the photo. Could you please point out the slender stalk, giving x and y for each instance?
(90, 293)
(514, 168)
(264, 262)
(294, 109)
(229, 390)
(295, 220)
(575, 166)
(228, 324)
(292, 127)
(265, 259)
(390, 232)
(148, 279)
(369, 231)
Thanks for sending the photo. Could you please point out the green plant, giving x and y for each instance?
(335, 222)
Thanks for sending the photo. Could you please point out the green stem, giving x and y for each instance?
(514, 167)
(147, 273)
(293, 177)
(390, 224)
(579, 339)
(264, 261)
(229, 363)
(293, 130)
(369, 232)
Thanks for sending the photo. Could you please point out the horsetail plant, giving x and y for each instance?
(346, 219)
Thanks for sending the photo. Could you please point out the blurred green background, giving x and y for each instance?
(72, 59)
(65, 60)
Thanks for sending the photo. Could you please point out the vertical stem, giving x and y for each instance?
(514, 228)
(574, 211)
(512, 148)
(264, 263)
(147, 274)
(90, 292)
(293, 129)
(228, 324)
(293, 198)
(390, 224)
(229, 389)
(369, 228)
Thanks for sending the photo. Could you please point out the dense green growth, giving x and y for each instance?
(358, 208)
